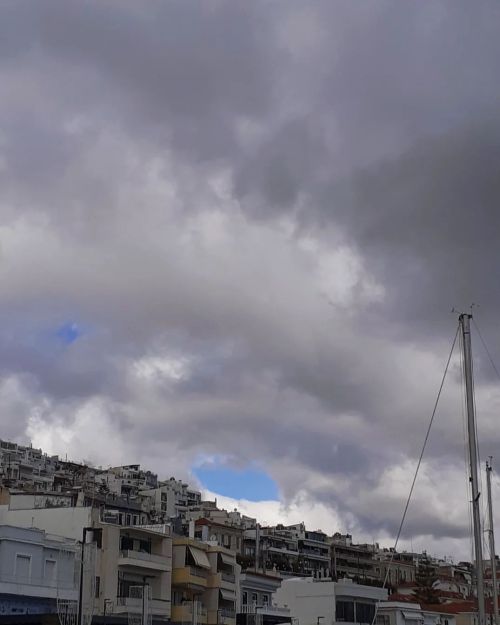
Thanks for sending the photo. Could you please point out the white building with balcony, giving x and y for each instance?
(255, 601)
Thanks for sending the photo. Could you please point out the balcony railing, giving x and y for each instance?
(228, 577)
(144, 557)
(198, 572)
(189, 608)
(135, 603)
(252, 608)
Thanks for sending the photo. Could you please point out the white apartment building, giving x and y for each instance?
(172, 498)
(36, 570)
(319, 602)
(126, 480)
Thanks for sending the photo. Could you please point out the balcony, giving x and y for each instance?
(189, 613)
(144, 560)
(222, 580)
(159, 607)
(273, 610)
(190, 576)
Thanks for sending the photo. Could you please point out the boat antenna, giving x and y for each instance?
(491, 536)
(464, 325)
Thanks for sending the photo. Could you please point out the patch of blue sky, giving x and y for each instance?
(69, 332)
(249, 483)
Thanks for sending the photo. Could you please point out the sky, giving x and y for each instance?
(231, 237)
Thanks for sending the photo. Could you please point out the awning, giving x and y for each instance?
(227, 595)
(226, 559)
(413, 616)
(200, 557)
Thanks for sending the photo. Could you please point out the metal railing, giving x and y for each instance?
(144, 557)
(253, 608)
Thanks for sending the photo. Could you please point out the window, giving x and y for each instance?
(382, 619)
(97, 587)
(145, 546)
(254, 598)
(244, 598)
(23, 567)
(365, 612)
(265, 600)
(127, 543)
(344, 611)
(50, 572)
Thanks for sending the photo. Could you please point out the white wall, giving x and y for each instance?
(308, 600)
(67, 522)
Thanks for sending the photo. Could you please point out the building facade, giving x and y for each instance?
(36, 570)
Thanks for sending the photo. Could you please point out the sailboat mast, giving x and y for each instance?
(491, 534)
(464, 321)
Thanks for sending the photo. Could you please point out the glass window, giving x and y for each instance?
(254, 597)
(365, 612)
(244, 598)
(344, 611)
(23, 567)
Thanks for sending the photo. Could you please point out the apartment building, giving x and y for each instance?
(37, 570)
(314, 551)
(227, 536)
(209, 510)
(255, 600)
(292, 550)
(399, 568)
(172, 499)
(126, 480)
(130, 560)
(271, 548)
(353, 561)
(204, 583)
(313, 601)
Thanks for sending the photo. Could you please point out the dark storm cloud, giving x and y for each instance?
(263, 212)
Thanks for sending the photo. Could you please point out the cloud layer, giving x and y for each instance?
(258, 217)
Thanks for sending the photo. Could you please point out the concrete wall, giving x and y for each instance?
(67, 522)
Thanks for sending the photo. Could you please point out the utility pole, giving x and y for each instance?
(464, 321)
(491, 535)
(80, 587)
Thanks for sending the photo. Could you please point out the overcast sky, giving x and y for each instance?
(233, 232)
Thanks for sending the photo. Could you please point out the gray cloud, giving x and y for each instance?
(261, 216)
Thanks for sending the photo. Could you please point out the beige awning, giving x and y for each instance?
(227, 595)
(226, 559)
(200, 557)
